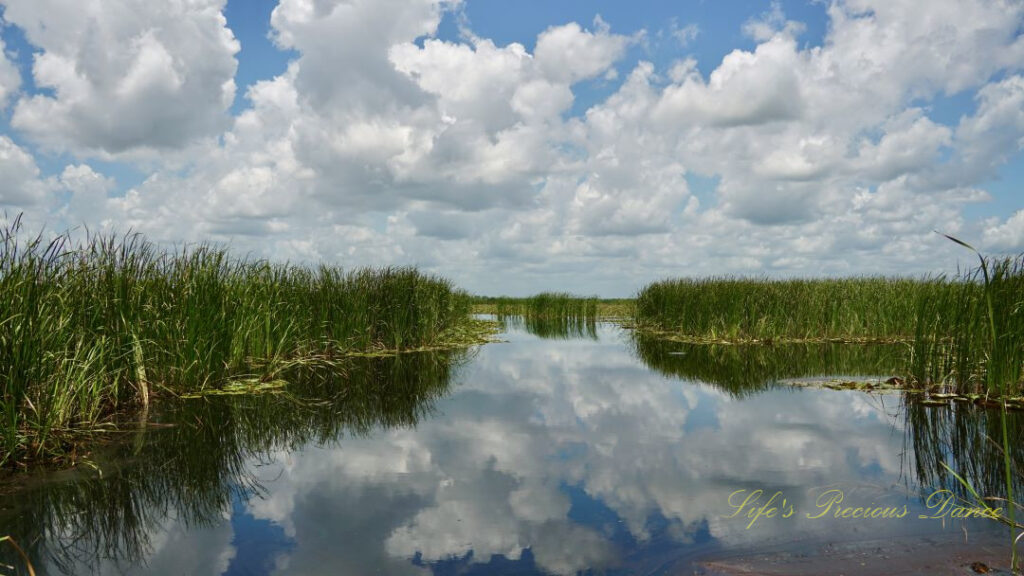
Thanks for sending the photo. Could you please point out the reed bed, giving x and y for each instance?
(970, 337)
(547, 305)
(965, 334)
(753, 310)
(89, 328)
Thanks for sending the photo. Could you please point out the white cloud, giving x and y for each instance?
(10, 77)
(1008, 235)
(20, 183)
(569, 54)
(126, 76)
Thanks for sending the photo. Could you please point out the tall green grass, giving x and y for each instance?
(740, 309)
(90, 328)
(971, 336)
(966, 333)
(547, 305)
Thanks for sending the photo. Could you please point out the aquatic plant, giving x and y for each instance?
(750, 309)
(94, 327)
(550, 305)
(971, 336)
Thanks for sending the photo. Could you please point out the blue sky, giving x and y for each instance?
(516, 147)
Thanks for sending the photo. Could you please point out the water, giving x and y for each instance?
(536, 456)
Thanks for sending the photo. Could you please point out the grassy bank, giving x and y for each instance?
(89, 329)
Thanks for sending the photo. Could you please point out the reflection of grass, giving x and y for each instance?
(197, 458)
(87, 330)
(21, 553)
(745, 369)
(971, 451)
(554, 328)
(961, 437)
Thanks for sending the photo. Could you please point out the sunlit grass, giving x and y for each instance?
(91, 328)
(749, 309)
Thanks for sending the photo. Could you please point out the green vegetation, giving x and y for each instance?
(760, 310)
(543, 305)
(569, 328)
(555, 305)
(966, 333)
(91, 329)
(970, 337)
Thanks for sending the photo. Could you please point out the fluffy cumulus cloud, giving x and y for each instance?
(125, 75)
(384, 143)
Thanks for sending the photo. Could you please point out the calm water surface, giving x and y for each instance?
(586, 452)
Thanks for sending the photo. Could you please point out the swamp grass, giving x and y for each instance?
(966, 333)
(92, 328)
(544, 305)
(556, 305)
(554, 315)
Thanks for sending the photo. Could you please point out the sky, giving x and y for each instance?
(590, 146)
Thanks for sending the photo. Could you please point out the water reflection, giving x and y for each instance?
(170, 489)
(967, 440)
(536, 457)
(742, 370)
(552, 328)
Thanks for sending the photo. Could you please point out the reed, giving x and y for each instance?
(966, 333)
(751, 310)
(971, 337)
(92, 328)
(546, 305)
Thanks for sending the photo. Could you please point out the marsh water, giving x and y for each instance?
(563, 450)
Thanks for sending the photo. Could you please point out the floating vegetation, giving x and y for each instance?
(92, 328)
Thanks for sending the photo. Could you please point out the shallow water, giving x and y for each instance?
(535, 456)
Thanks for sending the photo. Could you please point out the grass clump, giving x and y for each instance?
(970, 338)
(90, 328)
(548, 305)
(752, 310)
